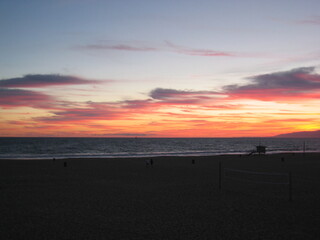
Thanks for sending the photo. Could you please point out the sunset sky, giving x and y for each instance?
(146, 68)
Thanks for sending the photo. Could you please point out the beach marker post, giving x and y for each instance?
(290, 187)
(220, 176)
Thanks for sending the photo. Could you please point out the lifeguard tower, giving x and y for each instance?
(261, 149)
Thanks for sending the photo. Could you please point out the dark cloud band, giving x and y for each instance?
(44, 80)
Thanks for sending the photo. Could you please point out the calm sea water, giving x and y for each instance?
(33, 148)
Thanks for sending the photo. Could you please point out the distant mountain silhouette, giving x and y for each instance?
(306, 134)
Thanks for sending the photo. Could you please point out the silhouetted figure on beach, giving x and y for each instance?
(151, 162)
(65, 164)
(193, 161)
(147, 162)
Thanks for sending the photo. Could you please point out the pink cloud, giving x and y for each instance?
(279, 86)
(198, 52)
(11, 94)
(121, 47)
(81, 114)
(10, 98)
(315, 20)
(168, 47)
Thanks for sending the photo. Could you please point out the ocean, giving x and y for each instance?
(48, 148)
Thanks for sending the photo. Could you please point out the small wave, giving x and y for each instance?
(61, 148)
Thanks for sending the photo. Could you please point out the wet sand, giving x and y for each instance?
(173, 199)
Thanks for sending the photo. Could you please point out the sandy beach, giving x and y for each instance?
(175, 198)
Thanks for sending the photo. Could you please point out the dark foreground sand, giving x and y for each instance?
(175, 199)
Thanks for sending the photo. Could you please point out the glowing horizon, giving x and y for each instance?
(119, 70)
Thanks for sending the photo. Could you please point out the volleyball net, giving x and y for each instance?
(256, 177)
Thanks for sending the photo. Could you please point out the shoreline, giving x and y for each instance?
(153, 156)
